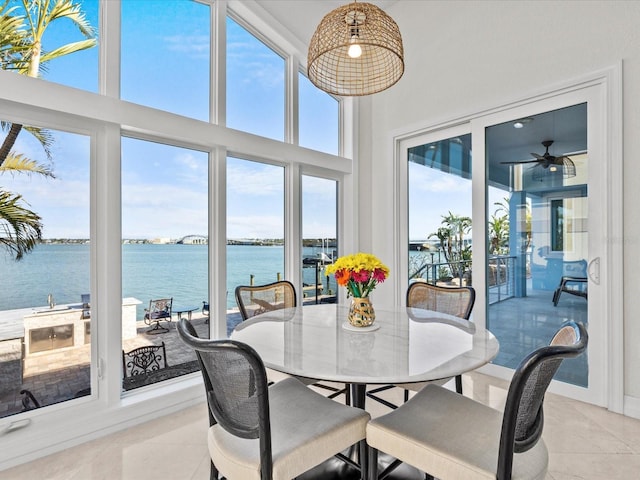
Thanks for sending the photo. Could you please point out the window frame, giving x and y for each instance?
(106, 118)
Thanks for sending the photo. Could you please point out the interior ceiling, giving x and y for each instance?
(303, 16)
(566, 127)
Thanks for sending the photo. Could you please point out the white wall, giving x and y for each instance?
(465, 57)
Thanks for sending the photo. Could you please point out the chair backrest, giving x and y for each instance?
(236, 388)
(574, 268)
(523, 416)
(256, 299)
(144, 359)
(160, 308)
(205, 308)
(457, 301)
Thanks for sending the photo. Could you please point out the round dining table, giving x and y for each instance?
(404, 345)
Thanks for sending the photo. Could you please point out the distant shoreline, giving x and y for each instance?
(202, 240)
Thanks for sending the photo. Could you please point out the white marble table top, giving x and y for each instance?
(410, 345)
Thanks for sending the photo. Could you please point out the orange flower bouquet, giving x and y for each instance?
(360, 273)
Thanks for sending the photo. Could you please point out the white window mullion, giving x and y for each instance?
(218, 242)
(293, 227)
(218, 80)
(291, 118)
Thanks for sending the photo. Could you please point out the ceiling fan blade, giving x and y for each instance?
(539, 157)
(525, 161)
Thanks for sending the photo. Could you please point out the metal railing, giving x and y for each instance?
(500, 275)
(459, 272)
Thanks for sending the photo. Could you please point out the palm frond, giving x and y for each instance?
(20, 228)
(72, 11)
(13, 41)
(45, 138)
(19, 163)
(68, 49)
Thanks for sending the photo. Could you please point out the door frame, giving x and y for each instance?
(602, 90)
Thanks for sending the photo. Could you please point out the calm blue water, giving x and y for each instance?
(149, 271)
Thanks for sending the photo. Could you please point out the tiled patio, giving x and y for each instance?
(57, 376)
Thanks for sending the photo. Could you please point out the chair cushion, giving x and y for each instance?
(450, 437)
(306, 429)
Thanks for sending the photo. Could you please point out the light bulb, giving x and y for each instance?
(553, 168)
(355, 50)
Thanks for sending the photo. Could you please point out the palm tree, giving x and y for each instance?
(451, 237)
(21, 50)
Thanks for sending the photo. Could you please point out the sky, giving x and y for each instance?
(159, 178)
(164, 188)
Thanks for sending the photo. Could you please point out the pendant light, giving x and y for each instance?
(356, 50)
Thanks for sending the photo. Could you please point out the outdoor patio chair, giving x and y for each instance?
(158, 311)
(253, 300)
(450, 436)
(456, 301)
(29, 401)
(146, 359)
(85, 298)
(264, 433)
(573, 281)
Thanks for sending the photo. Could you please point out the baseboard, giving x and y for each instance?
(632, 406)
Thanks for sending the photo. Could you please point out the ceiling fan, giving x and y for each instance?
(547, 163)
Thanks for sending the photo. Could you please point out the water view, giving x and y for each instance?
(148, 271)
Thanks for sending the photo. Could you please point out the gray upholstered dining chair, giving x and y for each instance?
(253, 300)
(456, 301)
(450, 436)
(262, 432)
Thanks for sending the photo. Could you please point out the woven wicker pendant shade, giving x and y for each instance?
(380, 64)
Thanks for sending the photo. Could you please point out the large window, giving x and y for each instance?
(255, 227)
(165, 55)
(164, 252)
(45, 357)
(255, 84)
(135, 210)
(319, 118)
(68, 43)
(319, 238)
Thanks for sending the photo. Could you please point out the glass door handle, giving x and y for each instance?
(593, 270)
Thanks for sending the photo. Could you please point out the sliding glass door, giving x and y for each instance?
(538, 238)
(514, 204)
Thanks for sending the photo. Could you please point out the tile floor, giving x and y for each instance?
(584, 441)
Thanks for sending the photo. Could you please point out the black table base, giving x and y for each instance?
(335, 469)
